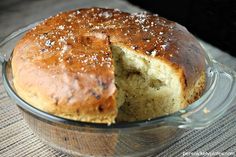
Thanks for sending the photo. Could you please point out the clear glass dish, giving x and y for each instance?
(138, 138)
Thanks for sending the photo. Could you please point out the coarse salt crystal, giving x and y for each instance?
(64, 48)
(145, 29)
(49, 43)
(61, 27)
(62, 40)
(153, 53)
(104, 14)
(94, 58)
(41, 37)
(147, 52)
(133, 47)
(163, 46)
(96, 27)
(60, 59)
(71, 15)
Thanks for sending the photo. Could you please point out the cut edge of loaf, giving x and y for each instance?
(151, 87)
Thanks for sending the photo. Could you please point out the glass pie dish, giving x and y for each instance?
(137, 138)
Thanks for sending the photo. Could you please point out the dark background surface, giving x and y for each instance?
(211, 20)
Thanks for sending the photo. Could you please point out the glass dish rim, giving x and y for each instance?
(56, 119)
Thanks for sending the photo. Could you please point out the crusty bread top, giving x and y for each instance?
(72, 50)
(146, 33)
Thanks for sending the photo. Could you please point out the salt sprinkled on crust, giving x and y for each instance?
(72, 15)
(163, 46)
(61, 27)
(141, 17)
(94, 57)
(62, 40)
(147, 52)
(105, 14)
(64, 48)
(49, 43)
(145, 29)
(60, 59)
(71, 36)
(96, 27)
(151, 33)
(134, 47)
(142, 20)
(67, 32)
(153, 53)
(42, 37)
(69, 20)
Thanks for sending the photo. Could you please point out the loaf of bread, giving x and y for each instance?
(103, 65)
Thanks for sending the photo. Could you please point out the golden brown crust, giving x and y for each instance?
(67, 58)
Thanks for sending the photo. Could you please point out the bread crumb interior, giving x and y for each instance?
(146, 88)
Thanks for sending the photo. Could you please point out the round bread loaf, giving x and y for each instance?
(88, 64)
